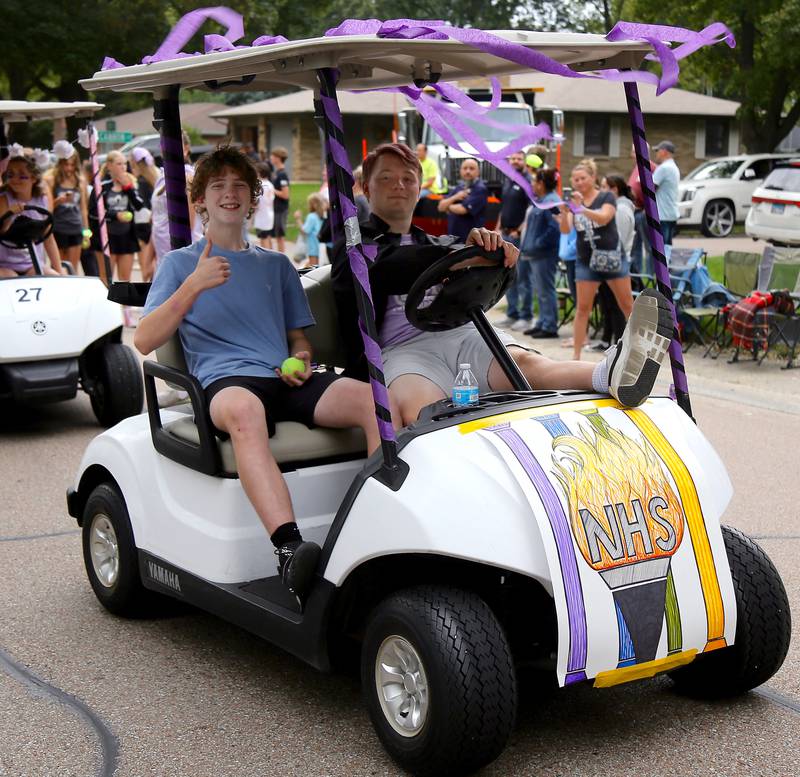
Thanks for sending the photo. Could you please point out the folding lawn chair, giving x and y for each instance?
(566, 302)
(780, 270)
(739, 277)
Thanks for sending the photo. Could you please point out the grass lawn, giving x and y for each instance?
(714, 264)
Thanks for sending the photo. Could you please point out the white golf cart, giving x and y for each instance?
(551, 529)
(61, 333)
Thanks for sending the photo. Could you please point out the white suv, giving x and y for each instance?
(717, 194)
(775, 214)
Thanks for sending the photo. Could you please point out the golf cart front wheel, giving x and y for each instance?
(110, 555)
(439, 681)
(763, 628)
(117, 391)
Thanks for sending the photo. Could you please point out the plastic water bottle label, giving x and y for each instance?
(465, 395)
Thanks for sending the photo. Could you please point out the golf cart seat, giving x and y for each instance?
(190, 440)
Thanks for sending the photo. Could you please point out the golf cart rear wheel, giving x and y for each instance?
(718, 218)
(439, 681)
(763, 628)
(110, 556)
(117, 391)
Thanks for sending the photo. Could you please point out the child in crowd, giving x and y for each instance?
(311, 226)
(240, 312)
(264, 216)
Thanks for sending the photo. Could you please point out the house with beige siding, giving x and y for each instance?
(595, 122)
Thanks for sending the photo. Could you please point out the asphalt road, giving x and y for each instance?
(83, 693)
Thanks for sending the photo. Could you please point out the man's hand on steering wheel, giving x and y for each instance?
(491, 241)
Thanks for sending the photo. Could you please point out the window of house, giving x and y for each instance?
(717, 137)
(596, 135)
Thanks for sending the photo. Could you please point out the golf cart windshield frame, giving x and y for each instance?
(365, 61)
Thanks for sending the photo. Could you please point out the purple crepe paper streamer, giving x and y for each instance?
(189, 24)
(576, 610)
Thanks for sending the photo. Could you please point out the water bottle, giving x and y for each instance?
(465, 389)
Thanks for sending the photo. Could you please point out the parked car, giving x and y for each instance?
(717, 194)
(151, 142)
(775, 213)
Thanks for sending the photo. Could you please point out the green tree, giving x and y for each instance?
(762, 72)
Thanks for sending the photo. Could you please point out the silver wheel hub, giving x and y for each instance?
(104, 550)
(401, 685)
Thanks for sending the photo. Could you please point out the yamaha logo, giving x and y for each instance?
(39, 327)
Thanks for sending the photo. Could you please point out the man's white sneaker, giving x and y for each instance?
(506, 323)
(633, 363)
(521, 324)
(172, 397)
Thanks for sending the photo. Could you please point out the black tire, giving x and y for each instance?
(763, 628)
(124, 594)
(472, 689)
(117, 391)
(719, 216)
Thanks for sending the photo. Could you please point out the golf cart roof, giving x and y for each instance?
(20, 111)
(365, 62)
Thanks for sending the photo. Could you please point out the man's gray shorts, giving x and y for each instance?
(436, 356)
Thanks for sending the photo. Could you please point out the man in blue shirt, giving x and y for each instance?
(240, 312)
(466, 204)
(666, 178)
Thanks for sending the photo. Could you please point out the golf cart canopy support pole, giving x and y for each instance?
(340, 184)
(657, 241)
(167, 120)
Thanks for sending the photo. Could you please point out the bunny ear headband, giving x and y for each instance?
(38, 156)
(63, 149)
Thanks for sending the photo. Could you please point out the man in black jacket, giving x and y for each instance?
(420, 367)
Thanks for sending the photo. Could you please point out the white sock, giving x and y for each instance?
(600, 376)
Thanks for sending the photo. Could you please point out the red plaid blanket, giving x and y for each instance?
(750, 319)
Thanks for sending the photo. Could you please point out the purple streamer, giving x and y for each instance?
(189, 24)
(576, 611)
(331, 108)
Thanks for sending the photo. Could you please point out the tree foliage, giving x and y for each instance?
(64, 42)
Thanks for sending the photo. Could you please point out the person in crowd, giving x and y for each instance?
(240, 311)
(465, 205)
(666, 178)
(67, 191)
(519, 296)
(430, 172)
(641, 261)
(613, 320)
(568, 253)
(264, 215)
(597, 231)
(420, 367)
(360, 199)
(539, 247)
(121, 200)
(310, 228)
(280, 182)
(147, 175)
(22, 187)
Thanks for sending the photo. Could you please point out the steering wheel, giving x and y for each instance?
(26, 231)
(479, 284)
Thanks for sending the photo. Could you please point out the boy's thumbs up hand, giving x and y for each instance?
(211, 270)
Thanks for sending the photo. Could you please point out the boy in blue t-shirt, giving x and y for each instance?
(240, 311)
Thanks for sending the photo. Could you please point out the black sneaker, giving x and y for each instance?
(533, 331)
(543, 334)
(634, 361)
(297, 562)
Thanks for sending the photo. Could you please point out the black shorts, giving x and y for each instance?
(143, 232)
(281, 401)
(279, 227)
(67, 240)
(262, 233)
(123, 244)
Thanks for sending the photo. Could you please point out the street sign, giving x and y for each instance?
(104, 136)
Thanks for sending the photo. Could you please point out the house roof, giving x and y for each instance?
(375, 103)
(196, 115)
(599, 96)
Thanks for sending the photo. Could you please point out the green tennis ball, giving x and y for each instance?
(127, 215)
(292, 365)
(534, 161)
